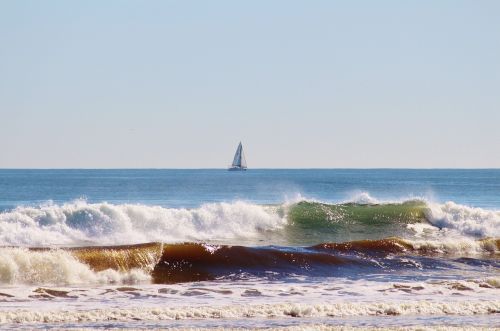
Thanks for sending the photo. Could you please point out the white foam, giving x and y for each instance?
(362, 198)
(343, 309)
(455, 246)
(79, 222)
(365, 198)
(22, 266)
(82, 223)
(476, 222)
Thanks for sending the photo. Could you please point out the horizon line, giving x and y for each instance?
(263, 168)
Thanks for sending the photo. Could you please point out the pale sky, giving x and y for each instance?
(177, 84)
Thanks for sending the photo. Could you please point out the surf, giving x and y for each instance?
(188, 262)
(80, 223)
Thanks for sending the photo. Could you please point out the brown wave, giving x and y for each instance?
(395, 245)
(490, 244)
(172, 263)
(389, 245)
(121, 258)
(195, 262)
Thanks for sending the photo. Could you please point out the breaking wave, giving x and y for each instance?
(186, 262)
(24, 266)
(197, 262)
(466, 220)
(81, 223)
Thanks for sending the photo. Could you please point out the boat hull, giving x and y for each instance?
(237, 169)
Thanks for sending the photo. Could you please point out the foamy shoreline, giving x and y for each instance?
(319, 327)
(342, 309)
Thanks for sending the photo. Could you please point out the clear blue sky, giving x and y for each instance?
(301, 83)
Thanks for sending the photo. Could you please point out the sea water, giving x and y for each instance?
(311, 248)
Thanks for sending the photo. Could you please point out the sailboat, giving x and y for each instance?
(239, 161)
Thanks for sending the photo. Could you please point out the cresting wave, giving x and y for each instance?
(198, 262)
(82, 223)
(302, 223)
(173, 263)
(123, 264)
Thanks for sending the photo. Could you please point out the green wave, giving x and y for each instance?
(310, 221)
(314, 213)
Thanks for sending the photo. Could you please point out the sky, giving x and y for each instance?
(303, 84)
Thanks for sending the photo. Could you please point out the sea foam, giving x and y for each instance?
(418, 308)
(465, 220)
(23, 266)
(80, 223)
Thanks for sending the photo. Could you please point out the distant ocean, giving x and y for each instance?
(285, 249)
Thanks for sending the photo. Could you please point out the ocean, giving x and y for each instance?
(297, 249)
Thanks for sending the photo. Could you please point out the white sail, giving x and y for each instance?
(237, 157)
(239, 161)
(243, 160)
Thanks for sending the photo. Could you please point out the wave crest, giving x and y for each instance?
(80, 223)
(24, 266)
(466, 220)
(185, 262)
